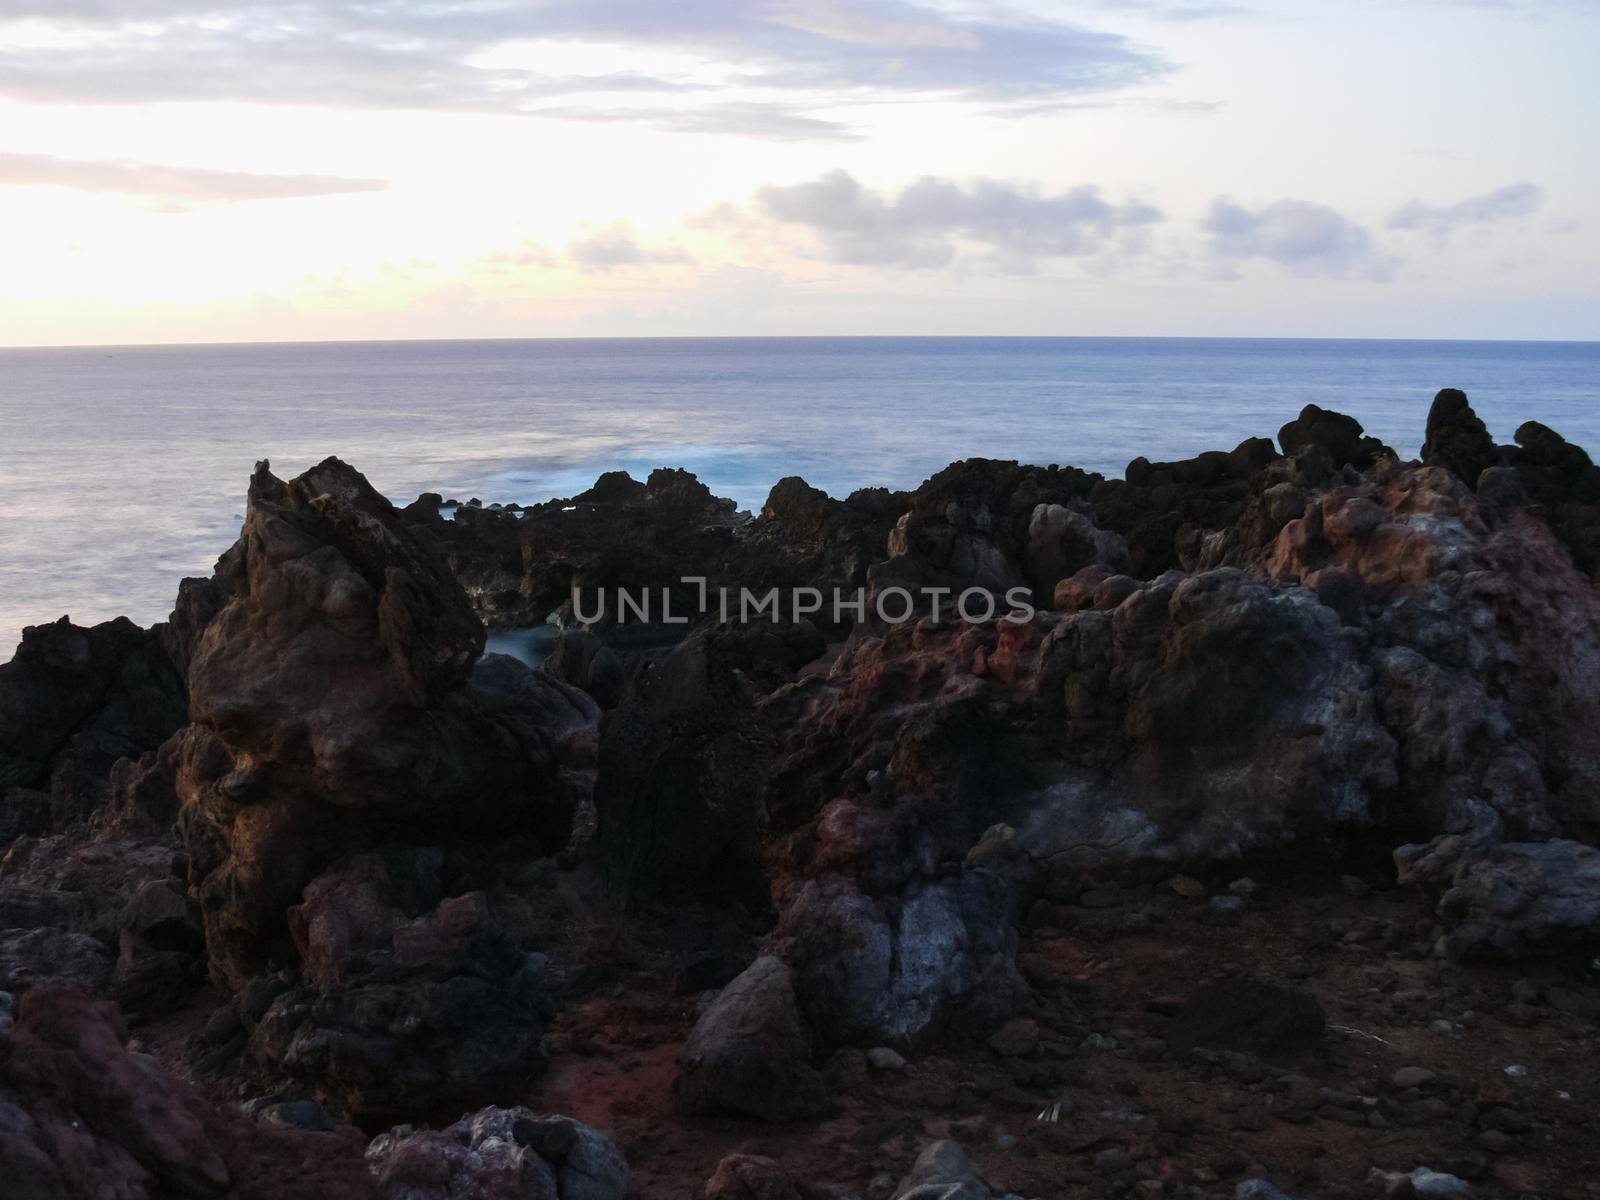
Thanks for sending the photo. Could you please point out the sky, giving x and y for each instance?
(229, 170)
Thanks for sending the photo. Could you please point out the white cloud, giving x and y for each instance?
(1304, 238)
(1503, 204)
(924, 224)
(169, 187)
(616, 246)
(754, 68)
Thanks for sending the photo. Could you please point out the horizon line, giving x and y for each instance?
(801, 337)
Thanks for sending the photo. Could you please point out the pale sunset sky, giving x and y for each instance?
(223, 170)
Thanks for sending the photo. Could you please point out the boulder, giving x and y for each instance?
(1247, 1015)
(750, 1177)
(750, 1053)
(1512, 900)
(498, 1154)
(1457, 439)
(408, 1001)
(1214, 715)
(332, 709)
(1339, 435)
(943, 1172)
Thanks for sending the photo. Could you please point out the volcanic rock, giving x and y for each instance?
(750, 1053)
(1457, 440)
(484, 1156)
(86, 1116)
(331, 710)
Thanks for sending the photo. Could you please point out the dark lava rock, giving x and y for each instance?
(86, 1116)
(332, 711)
(1457, 439)
(1248, 1015)
(72, 702)
(1341, 436)
(750, 1053)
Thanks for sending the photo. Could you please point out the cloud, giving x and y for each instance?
(772, 121)
(1503, 204)
(922, 225)
(617, 247)
(172, 188)
(1304, 238)
(515, 55)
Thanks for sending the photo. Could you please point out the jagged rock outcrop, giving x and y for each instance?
(974, 524)
(1457, 440)
(331, 710)
(408, 1000)
(683, 766)
(72, 702)
(1218, 715)
(108, 917)
(1341, 436)
(1511, 900)
(619, 534)
(1563, 485)
(85, 1115)
(891, 767)
(1161, 509)
(1485, 648)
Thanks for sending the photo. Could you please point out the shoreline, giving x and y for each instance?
(1262, 848)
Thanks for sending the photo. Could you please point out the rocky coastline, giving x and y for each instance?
(1257, 859)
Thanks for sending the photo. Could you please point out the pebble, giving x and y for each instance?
(1526, 991)
(1410, 1077)
(1257, 1189)
(1225, 908)
(1354, 886)
(1437, 1183)
(1017, 1038)
(1516, 1070)
(882, 1058)
(1445, 1028)
(1187, 886)
(1245, 887)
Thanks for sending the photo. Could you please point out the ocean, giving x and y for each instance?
(124, 469)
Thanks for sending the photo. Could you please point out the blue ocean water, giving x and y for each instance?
(122, 470)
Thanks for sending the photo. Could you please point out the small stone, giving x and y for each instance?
(1437, 1183)
(1516, 1070)
(1495, 1141)
(1017, 1038)
(1257, 1189)
(1245, 887)
(1411, 1077)
(1225, 909)
(1521, 1014)
(1526, 991)
(882, 1058)
(1354, 886)
(1114, 1159)
(1444, 1028)
(297, 1114)
(1188, 887)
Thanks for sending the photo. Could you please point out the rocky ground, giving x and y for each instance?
(1257, 861)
